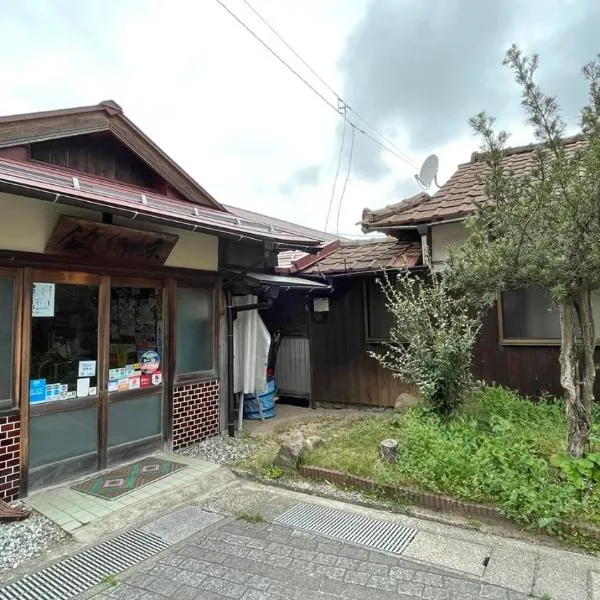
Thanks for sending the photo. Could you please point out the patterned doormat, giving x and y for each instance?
(123, 480)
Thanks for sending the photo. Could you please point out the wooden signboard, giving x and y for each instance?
(99, 242)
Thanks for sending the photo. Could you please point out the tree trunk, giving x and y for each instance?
(388, 450)
(577, 369)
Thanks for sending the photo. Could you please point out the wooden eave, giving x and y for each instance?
(18, 130)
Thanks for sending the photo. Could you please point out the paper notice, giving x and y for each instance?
(42, 300)
(83, 387)
(87, 368)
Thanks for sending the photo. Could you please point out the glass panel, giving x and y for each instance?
(380, 320)
(63, 435)
(136, 419)
(529, 314)
(194, 330)
(7, 328)
(136, 338)
(64, 341)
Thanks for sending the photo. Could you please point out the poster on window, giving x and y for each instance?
(42, 301)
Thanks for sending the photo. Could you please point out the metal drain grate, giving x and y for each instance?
(365, 531)
(79, 573)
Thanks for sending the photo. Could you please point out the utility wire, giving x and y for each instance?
(398, 154)
(337, 172)
(356, 114)
(337, 224)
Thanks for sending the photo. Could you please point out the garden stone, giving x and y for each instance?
(290, 451)
(314, 441)
(405, 401)
(388, 450)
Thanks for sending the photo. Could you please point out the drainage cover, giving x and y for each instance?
(350, 527)
(79, 573)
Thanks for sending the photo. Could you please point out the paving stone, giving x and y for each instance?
(373, 569)
(382, 583)
(186, 592)
(410, 588)
(432, 593)
(302, 554)
(493, 593)
(153, 584)
(124, 591)
(325, 559)
(331, 572)
(171, 559)
(354, 552)
(430, 579)
(167, 571)
(357, 577)
(222, 587)
(347, 563)
(328, 548)
(402, 573)
(258, 582)
(461, 588)
(190, 578)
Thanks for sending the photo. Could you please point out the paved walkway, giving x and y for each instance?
(236, 559)
(248, 561)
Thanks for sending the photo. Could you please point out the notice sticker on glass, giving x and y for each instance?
(123, 385)
(83, 387)
(134, 383)
(114, 373)
(37, 390)
(156, 378)
(87, 368)
(145, 381)
(42, 300)
(71, 395)
(93, 391)
(113, 386)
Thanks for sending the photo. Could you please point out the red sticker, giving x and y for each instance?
(145, 381)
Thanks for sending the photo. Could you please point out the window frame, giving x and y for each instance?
(367, 320)
(12, 405)
(212, 373)
(504, 341)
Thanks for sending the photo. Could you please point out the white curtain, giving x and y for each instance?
(251, 343)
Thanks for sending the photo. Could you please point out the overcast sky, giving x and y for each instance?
(250, 132)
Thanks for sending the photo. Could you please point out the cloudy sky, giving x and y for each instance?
(254, 135)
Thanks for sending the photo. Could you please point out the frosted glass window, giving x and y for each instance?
(133, 420)
(195, 328)
(62, 435)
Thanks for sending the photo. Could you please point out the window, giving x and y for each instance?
(195, 327)
(64, 342)
(528, 315)
(136, 338)
(7, 334)
(379, 320)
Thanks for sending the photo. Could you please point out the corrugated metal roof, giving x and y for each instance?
(144, 204)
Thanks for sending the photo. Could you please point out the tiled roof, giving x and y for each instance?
(350, 257)
(390, 215)
(457, 197)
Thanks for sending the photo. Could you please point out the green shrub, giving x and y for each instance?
(432, 339)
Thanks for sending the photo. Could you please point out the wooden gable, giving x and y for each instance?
(102, 141)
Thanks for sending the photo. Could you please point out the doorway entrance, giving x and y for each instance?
(94, 360)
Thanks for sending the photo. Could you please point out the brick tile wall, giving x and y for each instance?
(10, 457)
(195, 412)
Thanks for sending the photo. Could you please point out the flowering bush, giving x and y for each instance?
(431, 340)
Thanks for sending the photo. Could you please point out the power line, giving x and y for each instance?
(295, 53)
(341, 103)
(337, 172)
(337, 224)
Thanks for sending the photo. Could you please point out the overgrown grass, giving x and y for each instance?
(496, 451)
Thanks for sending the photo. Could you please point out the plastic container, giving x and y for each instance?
(266, 399)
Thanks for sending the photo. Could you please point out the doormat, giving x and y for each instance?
(123, 480)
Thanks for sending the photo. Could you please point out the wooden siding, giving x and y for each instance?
(98, 154)
(532, 370)
(342, 371)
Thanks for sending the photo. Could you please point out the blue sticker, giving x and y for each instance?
(37, 390)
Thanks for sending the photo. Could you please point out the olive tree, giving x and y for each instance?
(541, 228)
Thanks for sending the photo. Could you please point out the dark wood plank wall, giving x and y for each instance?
(342, 371)
(288, 314)
(532, 370)
(98, 154)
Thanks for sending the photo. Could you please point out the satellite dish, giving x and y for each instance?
(428, 171)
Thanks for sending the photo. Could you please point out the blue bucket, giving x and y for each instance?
(266, 399)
